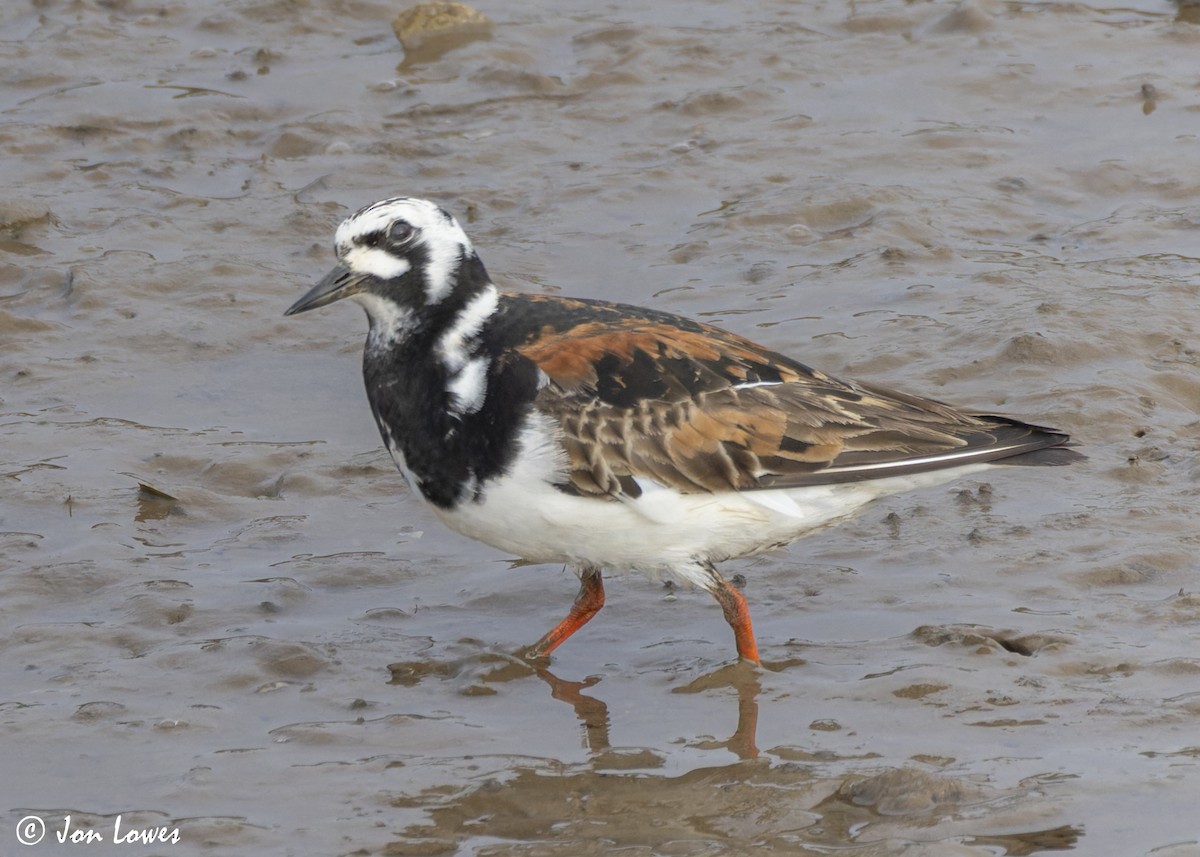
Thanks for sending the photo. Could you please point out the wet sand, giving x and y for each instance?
(222, 614)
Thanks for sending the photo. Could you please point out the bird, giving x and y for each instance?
(600, 435)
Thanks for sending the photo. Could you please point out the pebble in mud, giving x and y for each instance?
(428, 30)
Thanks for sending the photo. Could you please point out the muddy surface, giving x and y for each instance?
(221, 615)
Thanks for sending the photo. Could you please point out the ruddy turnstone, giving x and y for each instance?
(602, 435)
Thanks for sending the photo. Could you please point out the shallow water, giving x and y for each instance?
(990, 203)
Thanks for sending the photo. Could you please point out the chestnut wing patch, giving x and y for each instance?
(701, 410)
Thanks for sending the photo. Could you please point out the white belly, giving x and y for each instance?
(663, 532)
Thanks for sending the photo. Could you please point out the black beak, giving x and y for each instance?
(339, 283)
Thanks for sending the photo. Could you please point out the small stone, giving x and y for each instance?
(428, 30)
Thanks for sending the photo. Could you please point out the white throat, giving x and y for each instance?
(390, 322)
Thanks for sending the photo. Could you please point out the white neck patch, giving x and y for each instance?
(453, 345)
(467, 384)
(468, 387)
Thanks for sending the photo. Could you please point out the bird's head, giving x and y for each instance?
(403, 259)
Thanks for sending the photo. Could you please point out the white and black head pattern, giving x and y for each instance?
(430, 370)
(399, 236)
(407, 262)
(412, 267)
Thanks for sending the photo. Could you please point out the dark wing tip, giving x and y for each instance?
(982, 440)
(1054, 456)
(1035, 446)
(1045, 447)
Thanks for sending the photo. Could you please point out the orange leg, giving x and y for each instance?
(737, 614)
(587, 604)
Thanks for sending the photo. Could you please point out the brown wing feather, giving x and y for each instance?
(701, 410)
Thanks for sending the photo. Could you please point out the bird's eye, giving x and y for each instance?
(400, 232)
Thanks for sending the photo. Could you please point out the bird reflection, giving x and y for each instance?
(478, 671)
(743, 678)
(827, 807)
(591, 712)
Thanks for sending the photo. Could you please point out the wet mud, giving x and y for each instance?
(221, 614)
